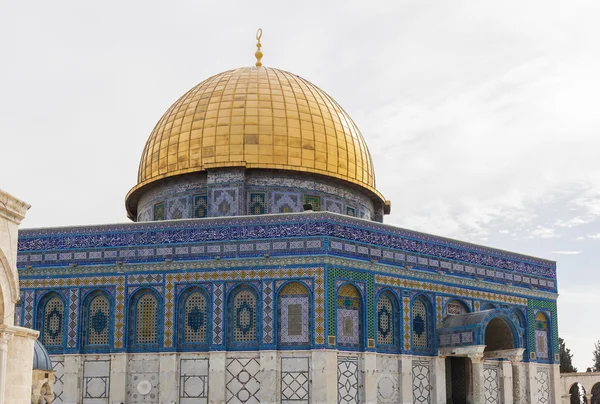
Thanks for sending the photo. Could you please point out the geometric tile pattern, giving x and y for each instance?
(28, 309)
(169, 319)
(543, 386)
(491, 388)
(453, 290)
(218, 313)
(438, 310)
(406, 318)
(295, 386)
(267, 298)
(242, 385)
(59, 383)
(347, 380)
(73, 318)
(421, 384)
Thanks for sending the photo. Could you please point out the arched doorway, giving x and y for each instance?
(577, 393)
(459, 387)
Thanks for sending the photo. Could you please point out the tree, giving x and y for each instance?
(596, 359)
(566, 358)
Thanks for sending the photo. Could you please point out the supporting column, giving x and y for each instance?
(477, 370)
(216, 377)
(268, 377)
(439, 380)
(324, 377)
(406, 392)
(518, 380)
(5, 337)
(507, 382)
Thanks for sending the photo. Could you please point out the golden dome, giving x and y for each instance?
(256, 117)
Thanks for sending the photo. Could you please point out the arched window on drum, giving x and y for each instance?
(294, 315)
(51, 322)
(193, 319)
(96, 316)
(387, 322)
(541, 336)
(421, 325)
(349, 317)
(243, 318)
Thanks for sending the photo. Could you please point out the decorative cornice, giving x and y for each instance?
(12, 208)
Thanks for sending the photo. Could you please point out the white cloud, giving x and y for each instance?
(543, 232)
(566, 252)
(594, 236)
(503, 231)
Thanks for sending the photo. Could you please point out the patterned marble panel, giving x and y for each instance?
(421, 383)
(241, 382)
(59, 379)
(542, 380)
(295, 381)
(348, 380)
(387, 379)
(491, 384)
(96, 381)
(193, 381)
(143, 381)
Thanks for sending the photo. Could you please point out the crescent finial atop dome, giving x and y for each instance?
(258, 52)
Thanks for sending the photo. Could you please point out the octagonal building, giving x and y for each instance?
(257, 269)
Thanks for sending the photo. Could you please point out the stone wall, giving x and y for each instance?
(287, 377)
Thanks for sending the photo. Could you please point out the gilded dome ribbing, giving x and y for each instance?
(256, 117)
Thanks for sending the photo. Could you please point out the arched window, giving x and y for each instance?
(96, 315)
(293, 315)
(541, 336)
(387, 321)
(420, 325)
(51, 322)
(243, 324)
(455, 307)
(349, 313)
(193, 319)
(143, 321)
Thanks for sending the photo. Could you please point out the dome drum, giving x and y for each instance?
(237, 191)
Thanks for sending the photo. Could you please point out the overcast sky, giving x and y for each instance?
(482, 117)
